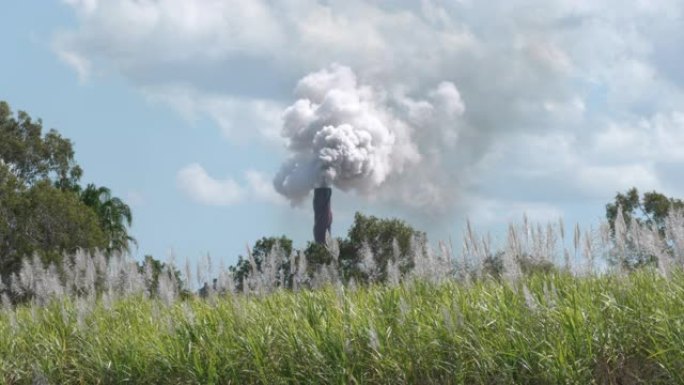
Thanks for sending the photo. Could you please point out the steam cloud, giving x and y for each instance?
(351, 136)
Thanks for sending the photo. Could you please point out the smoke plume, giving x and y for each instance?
(344, 134)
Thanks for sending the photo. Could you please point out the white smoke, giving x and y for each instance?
(351, 136)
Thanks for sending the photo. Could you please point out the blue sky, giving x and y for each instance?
(488, 110)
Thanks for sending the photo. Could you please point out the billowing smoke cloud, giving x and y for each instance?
(567, 101)
(348, 135)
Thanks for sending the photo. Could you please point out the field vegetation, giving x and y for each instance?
(547, 304)
(543, 310)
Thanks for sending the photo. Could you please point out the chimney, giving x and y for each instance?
(322, 213)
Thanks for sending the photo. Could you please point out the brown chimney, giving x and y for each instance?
(322, 213)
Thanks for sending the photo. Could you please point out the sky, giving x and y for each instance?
(213, 119)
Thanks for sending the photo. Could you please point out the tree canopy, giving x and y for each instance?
(387, 239)
(258, 254)
(43, 209)
(648, 211)
(31, 156)
(114, 215)
(651, 209)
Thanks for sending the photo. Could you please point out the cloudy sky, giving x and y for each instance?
(431, 111)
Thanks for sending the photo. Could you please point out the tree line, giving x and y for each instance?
(45, 210)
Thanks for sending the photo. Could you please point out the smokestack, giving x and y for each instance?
(322, 213)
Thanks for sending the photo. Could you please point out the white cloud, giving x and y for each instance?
(667, 140)
(202, 188)
(238, 118)
(194, 181)
(78, 62)
(261, 188)
(566, 168)
(85, 6)
(487, 212)
(603, 180)
(659, 138)
(558, 99)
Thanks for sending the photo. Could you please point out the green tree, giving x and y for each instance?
(31, 156)
(45, 220)
(386, 239)
(262, 249)
(651, 209)
(154, 268)
(317, 254)
(41, 207)
(115, 217)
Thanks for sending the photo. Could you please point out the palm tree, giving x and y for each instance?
(115, 217)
